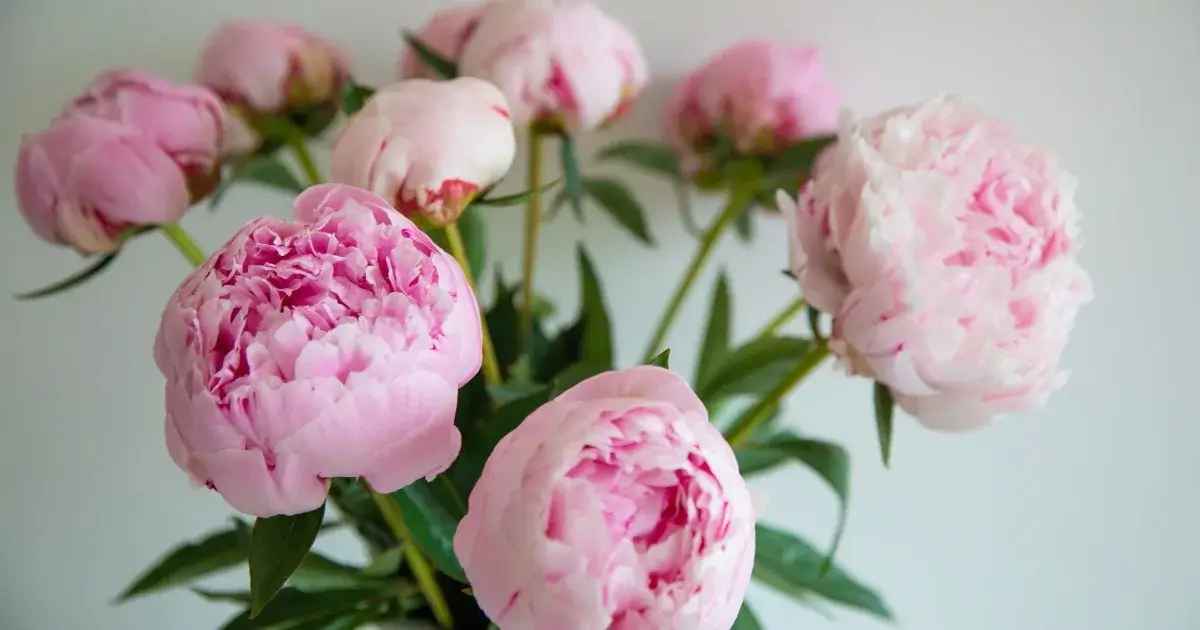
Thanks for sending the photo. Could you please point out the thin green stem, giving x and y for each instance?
(300, 149)
(491, 366)
(739, 198)
(756, 415)
(422, 571)
(533, 225)
(184, 243)
(782, 317)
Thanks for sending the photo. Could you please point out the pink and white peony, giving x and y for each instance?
(446, 33)
(562, 64)
(428, 146)
(616, 505)
(945, 248)
(328, 346)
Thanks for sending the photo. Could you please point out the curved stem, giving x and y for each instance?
(756, 415)
(304, 157)
(739, 197)
(422, 571)
(782, 317)
(491, 366)
(533, 224)
(184, 243)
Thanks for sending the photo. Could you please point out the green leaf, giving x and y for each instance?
(71, 281)
(504, 324)
(474, 234)
(575, 375)
(321, 573)
(814, 322)
(615, 198)
(480, 438)
(354, 96)
(744, 224)
(190, 561)
(385, 564)
(797, 159)
(793, 567)
(716, 332)
(662, 359)
(264, 170)
(292, 607)
(229, 597)
(885, 408)
(516, 199)
(648, 156)
(746, 620)
(446, 68)
(571, 177)
(565, 350)
(504, 394)
(597, 333)
(755, 367)
(432, 526)
(278, 545)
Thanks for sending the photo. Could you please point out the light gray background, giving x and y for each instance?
(1081, 517)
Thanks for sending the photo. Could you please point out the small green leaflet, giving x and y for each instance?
(570, 170)
(661, 359)
(654, 157)
(432, 526)
(516, 199)
(716, 332)
(597, 332)
(746, 620)
(444, 67)
(278, 545)
(73, 280)
(189, 561)
(885, 408)
(354, 96)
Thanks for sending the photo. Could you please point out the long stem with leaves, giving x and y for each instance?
(750, 419)
(533, 225)
(491, 366)
(184, 243)
(740, 195)
(423, 572)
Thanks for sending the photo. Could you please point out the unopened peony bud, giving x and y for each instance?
(616, 505)
(445, 33)
(563, 65)
(329, 346)
(945, 247)
(428, 146)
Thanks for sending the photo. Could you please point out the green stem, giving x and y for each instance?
(184, 243)
(491, 366)
(782, 317)
(740, 196)
(422, 571)
(304, 157)
(756, 415)
(533, 225)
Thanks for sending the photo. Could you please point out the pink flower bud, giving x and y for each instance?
(446, 33)
(945, 248)
(760, 95)
(616, 505)
(85, 180)
(329, 346)
(428, 146)
(562, 64)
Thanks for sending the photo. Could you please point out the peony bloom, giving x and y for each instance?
(616, 505)
(329, 346)
(428, 146)
(945, 248)
(265, 69)
(759, 95)
(186, 121)
(86, 180)
(446, 33)
(562, 64)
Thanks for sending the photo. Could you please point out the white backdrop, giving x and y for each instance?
(1081, 517)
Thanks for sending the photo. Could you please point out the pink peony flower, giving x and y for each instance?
(428, 146)
(446, 33)
(760, 95)
(86, 180)
(616, 505)
(331, 346)
(562, 64)
(945, 248)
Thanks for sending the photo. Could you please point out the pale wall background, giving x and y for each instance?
(1082, 517)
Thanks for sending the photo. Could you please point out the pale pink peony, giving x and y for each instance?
(446, 33)
(562, 64)
(945, 248)
(760, 95)
(86, 180)
(329, 346)
(616, 505)
(428, 146)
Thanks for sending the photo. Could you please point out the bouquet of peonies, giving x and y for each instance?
(503, 472)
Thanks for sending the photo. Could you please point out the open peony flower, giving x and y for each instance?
(616, 505)
(945, 248)
(329, 346)
(428, 146)
(446, 33)
(562, 64)
(759, 95)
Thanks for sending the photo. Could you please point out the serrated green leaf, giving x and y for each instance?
(792, 566)
(755, 367)
(616, 199)
(572, 180)
(444, 67)
(654, 157)
(292, 607)
(278, 545)
(662, 359)
(516, 199)
(73, 280)
(746, 620)
(432, 525)
(716, 331)
(354, 96)
(190, 561)
(597, 333)
(885, 409)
